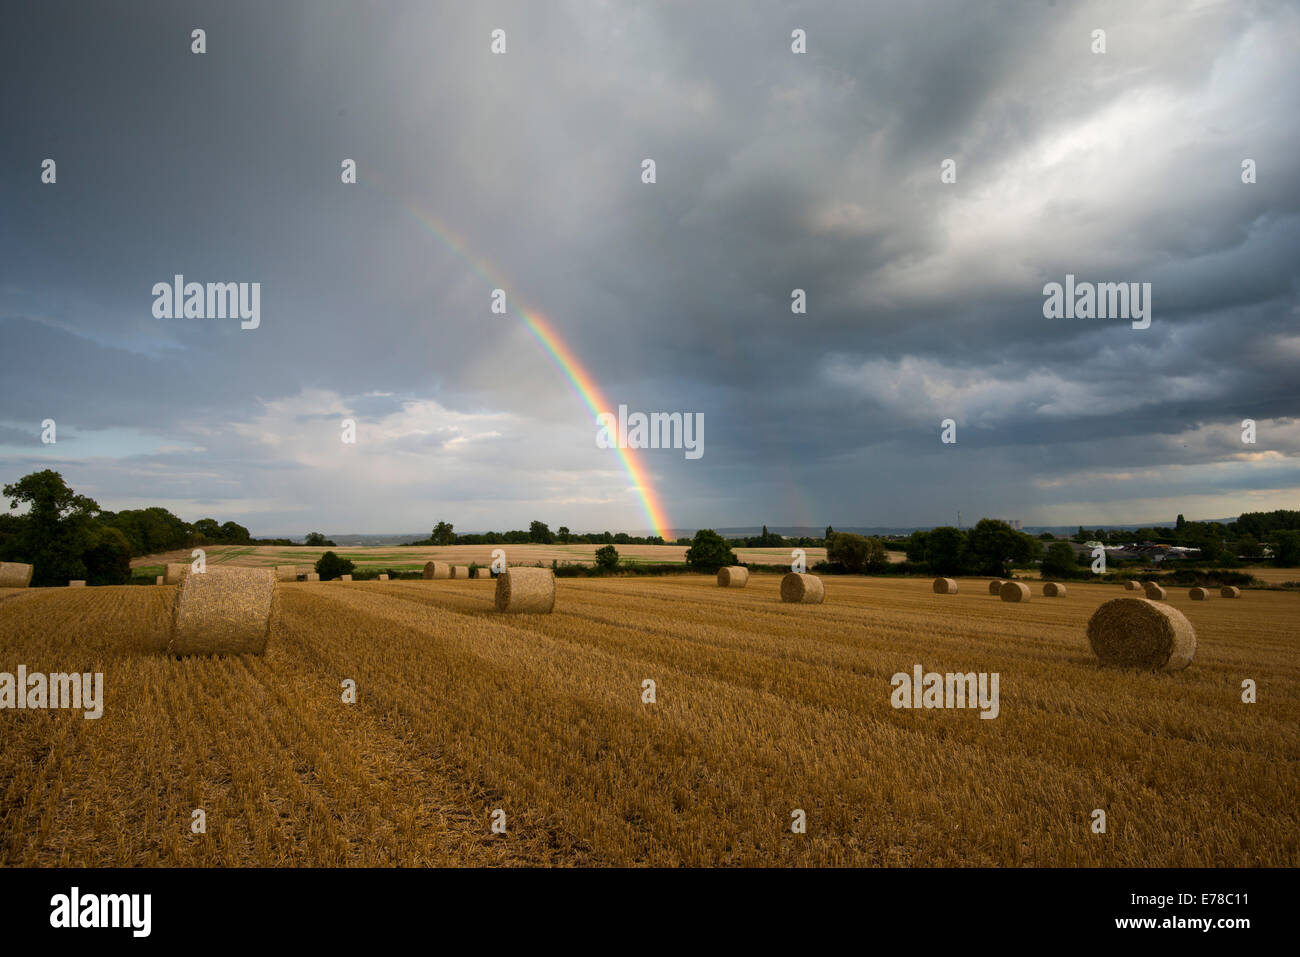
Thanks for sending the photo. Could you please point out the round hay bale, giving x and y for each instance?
(174, 572)
(224, 611)
(1053, 590)
(1153, 591)
(733, 576)
(383, 577)
(345, 578)
(15, 575)
(482, 573)
(1198, 594)
(1132, 586)
(286, 573)
(945, 586)
(437, 570)
(523, 589)
(802, 589)
(1014, 591)
(460, 571)
(1137, 632)
(995, 586)
(77, 583)
(1229, 591)
(160, 580)
(313, 577)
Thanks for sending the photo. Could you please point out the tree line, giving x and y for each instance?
(538, 533)
(67, 537)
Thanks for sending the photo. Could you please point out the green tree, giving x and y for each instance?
(208, 528)
(539, 533)
(1286, 548)
(857, 553)
(108, 557)
(330, 566)
(563, 534)
(945, 550)
(1059, 561)
(994, 546)
(232, 533)
(915, 545)
(57, 529)
(709, 551)
(1212, 549)
(1248, 547)
(607, 557)
(317, 540)
(443, 534)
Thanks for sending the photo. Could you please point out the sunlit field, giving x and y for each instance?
(761, 709)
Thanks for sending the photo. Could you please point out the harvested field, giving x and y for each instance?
(762, 707)
(413, 558)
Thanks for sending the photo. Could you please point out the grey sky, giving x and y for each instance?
(775, 171)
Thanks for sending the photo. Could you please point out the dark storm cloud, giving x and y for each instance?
(775, 172)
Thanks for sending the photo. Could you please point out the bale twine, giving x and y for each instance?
(802, 589)
(482, 573)
(1053, 590)
(1132, 586)
(1153, 591)
(945, 586)
(733, 576)
(77, 583)
(437, 570)
(286, 573)
(523, 589)
(174, 572)
(1137, 632)
(995, 586)
(224, 611)
(1229, 591)
(15, 575)
(1014, 591)
(313, 577)
(1198, 594)
(383, 577)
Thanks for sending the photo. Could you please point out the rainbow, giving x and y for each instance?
(545, 333)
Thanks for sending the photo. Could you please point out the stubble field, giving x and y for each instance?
(762, 708)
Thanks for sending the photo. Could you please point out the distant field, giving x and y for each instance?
(762, 708)
(415, 557)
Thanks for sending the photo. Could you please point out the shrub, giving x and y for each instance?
(607, 557)
(709, 552)
(1059, 561)
(856, 552)
(330, 566)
